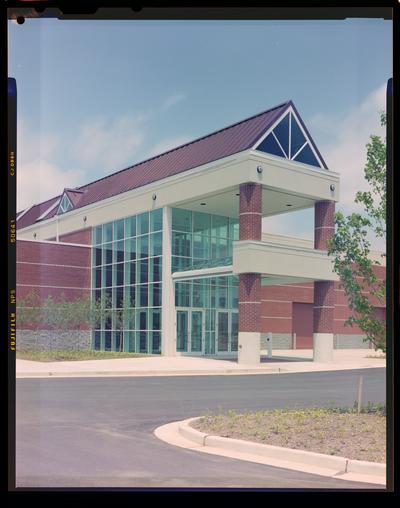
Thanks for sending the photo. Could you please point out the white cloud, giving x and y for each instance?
(346, 153)
(172, 100)
(39, 180)
(109, 145)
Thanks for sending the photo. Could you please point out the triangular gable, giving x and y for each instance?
(65, 204)
(289, 138)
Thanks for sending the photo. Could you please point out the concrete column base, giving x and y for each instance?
(323, 347)
(249, 348)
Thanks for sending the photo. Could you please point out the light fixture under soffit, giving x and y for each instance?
(203, 204)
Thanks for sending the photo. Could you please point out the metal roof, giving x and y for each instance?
(217, 145)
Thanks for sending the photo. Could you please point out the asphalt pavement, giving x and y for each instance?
(98, 431)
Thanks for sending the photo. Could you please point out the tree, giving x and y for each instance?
(350, 246)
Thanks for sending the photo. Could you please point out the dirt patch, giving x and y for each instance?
(340, 432)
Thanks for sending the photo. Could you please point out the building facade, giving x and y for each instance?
(176, 243)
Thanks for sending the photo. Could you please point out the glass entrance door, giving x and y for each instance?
(222, 331)
(197, 331)
(190, 326)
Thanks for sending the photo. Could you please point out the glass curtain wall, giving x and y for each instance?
(127, 280)
(201, 240)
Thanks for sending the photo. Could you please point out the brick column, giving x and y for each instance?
(250, 227)
(324, 294)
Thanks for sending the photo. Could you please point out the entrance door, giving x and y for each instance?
(197, 331)
(222, 331)
(190, 327)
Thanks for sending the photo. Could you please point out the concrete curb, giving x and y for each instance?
(339, 466)
(134, 373)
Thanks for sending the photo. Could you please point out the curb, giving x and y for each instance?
(21, 375)
(338, 465)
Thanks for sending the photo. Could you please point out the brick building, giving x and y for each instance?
(178, 240)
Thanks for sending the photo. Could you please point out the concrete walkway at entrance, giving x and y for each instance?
(282, 361)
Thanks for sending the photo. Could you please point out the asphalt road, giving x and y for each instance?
(98, 432)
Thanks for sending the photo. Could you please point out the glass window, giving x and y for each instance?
(97, 272)
(297, 138)
(201, 223)
(155, 269)
(143, 342)
(307, 156)
(222, 248)
(130, 226)
(234, 297)
(155, 319)
(270, 145)
(118, 251)
(107, 253)
(98, 237)
(130, 246)
(181, 220)
(201, 246)
(156, 244)
(97, 341)
(181, 244)
(142, 319)
(107, 271)
(119, 274)
(106, 298)
(155, 295)
(130, 343)
(132, 296)
(143, 246)
(156, 342)
(234, 229)
(108, 232)
(156, 219)
(144, 295)
(97, 258)
(281, 131)
(213, 247)
(143, 223)
(182, 294)
(143, 267)
(219, 226)
(118, 297)
(119, 229)
(107, 341)
(234, 331)
(130, 273)
(199, 294)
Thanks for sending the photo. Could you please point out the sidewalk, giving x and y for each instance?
(282, 361)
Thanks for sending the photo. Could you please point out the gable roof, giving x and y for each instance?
(233, 139)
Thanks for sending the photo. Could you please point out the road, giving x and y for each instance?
(98, 432)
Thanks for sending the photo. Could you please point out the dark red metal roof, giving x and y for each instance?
(217, 145)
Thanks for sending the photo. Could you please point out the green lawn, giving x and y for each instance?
(71, 355)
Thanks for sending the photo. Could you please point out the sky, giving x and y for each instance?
(95, 97)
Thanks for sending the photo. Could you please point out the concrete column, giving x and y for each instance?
(168, 338)
(324, 293)
(250, 227)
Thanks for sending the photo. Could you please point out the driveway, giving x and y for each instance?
(98, 432)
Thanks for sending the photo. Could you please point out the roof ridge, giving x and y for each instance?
(187, 144)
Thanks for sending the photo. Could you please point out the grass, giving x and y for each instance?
(74, 355)
(332, 431)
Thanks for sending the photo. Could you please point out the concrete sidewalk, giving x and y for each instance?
(282, 361)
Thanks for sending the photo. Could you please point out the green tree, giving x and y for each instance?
(350, 246)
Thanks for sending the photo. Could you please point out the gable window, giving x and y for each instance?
(288, 140)
(65, 205)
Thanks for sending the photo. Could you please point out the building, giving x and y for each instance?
(178, 238)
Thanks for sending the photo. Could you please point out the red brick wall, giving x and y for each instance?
(52, 269)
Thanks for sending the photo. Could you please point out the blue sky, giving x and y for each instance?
(95, 97)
